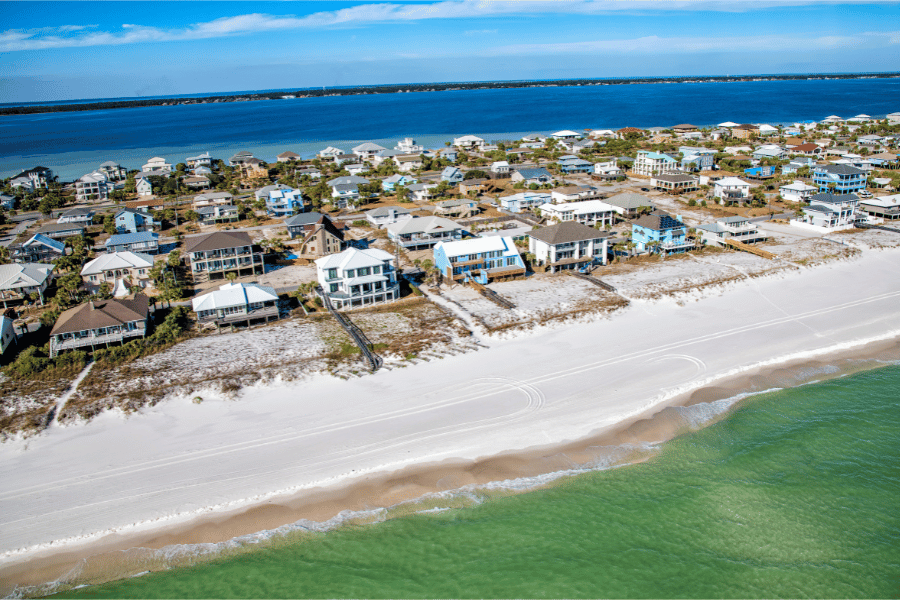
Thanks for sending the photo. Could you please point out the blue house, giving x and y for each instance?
(389, 184)
(573, 164)
(660, 232)
(132, 221)
(479, 259)
(146, 242)
(839, 179)
(697, 159)
(538, 175)
(451, 175)
(798, 163)
(284, 203)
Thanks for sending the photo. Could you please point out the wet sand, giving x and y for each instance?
(629, 442)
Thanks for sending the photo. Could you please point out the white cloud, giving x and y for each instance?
(73, 36)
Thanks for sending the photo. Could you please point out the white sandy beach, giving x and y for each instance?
(179, 460)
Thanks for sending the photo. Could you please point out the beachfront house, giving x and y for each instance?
(469, 142)
(537, 176)
(886, 208)
(330, 152)
(524, 201)
(132, 268)
(201, 160)
(113, 171)
(388, 215)
(93, 187)
(731, 189)
(368, 150)
(409, 146)
(100, 323)
(839, 179)
(653, 163)
(566, 134)
(18, 281)
(37, 249)
(144, 242)
(661, 233)
(157, 164)
(355, 278)
(317, 234)
(423, 232)
(481, 259)
(797, 191)
(830, 212)
(287, 156)
(133, 221)
(737, 228)
(215, 255)
(32, 179)
(568, 245)
(587, 212)
(237, 303)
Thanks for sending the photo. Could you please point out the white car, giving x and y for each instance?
(864, 194)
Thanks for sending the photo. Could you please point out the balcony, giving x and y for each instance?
(266, 312)
(92, 339)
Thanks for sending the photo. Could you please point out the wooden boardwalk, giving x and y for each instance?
(492, 295)
(365, 346)
(751, 249)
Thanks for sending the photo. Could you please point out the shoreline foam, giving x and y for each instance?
(462, 467)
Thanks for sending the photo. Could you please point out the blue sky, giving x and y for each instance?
(68, 50)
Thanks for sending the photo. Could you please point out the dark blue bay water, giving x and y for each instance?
(74, 143)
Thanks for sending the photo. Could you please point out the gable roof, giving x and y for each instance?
(383, 211)
(15, 276)
(534, 173)
(840, 169)
(103, 313)
(630, 201)
(117, 260)
(423, 225)
(40, 238)
(563, 233)
(830, 198)
(304, 219)
(131, 238)
(218, 241)
(353, 258)
(348, 180)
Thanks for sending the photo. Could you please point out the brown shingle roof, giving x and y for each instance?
(658, 221)
(102, 313)
(563, 233)
(217, 241)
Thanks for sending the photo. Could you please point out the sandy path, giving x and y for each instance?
(180, 458)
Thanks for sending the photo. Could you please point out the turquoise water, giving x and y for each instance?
(795, 494)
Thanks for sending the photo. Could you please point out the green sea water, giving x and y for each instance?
(795, 494)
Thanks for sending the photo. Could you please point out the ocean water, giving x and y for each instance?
(793, 494)
(75, 143)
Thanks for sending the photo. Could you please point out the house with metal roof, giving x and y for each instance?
(882, 207)
(797, 191)
(19, 280)
(367, 150)
(629, 204)
(522, 201)
(214, 255)
(566, 134)
(731, 189)
(212, 199)
(653, 163)
(661, 233)
(145, 242)
(469, 142)
(356, 278)
(157, 163)
(538, 175)
(737, 228)
(480, 259)
(423, 232)
(81, 216)
(93, 187)
(421, 192)
(37, 249)
(100, 323)
(387, 215)
(237, 303)
(61, 231)
(586, 212)
(220, 213)
(568, 245)
(451, 175)
(830, 212)
(201, 160)
(132, 268)
(113, 170)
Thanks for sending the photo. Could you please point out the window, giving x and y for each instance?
(333, 287)
(332, 273)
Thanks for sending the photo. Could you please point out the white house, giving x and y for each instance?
(330, 152)
(607, 169)
(830, 212)
(201, 160)
(157, 163)
(388, 215)
(588, 212)
(113, 267)
(653, 163)
(409, 146)
(573, 193)
(420, 192)
(501, 167)
(602, 133)
(524, 200)
(566, 134)
(797, 191)
(737, 228)
(568, 245)
(144, 187)
(731, 189)
(368, 150)
(237, 303)
(469, 142)
(92, 187)
(19, 280)
(423, 232)
(356, 277)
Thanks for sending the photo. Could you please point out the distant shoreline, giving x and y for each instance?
(420, 87)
